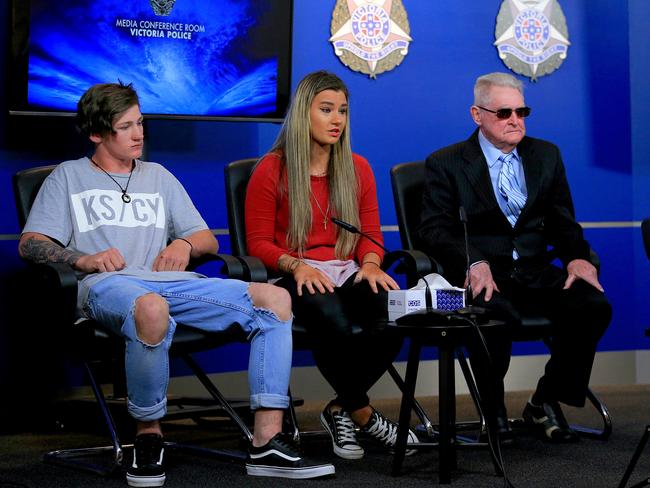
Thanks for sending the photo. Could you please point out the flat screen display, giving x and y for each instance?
(185, 58)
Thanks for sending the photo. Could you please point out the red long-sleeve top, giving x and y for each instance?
(267, 215)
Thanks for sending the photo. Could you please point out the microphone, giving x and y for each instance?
(469, 309)
(352, 229)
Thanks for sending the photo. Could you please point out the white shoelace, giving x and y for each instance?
(345, 428)
(384, 430)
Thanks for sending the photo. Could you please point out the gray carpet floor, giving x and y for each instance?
(530, 463)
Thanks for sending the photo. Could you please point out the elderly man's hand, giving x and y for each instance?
(580, 269)
(480, 277)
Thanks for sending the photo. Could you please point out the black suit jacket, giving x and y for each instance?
(458, 176)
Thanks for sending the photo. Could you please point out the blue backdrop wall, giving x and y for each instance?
(592, 107)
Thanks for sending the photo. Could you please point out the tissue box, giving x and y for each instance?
(448, 299)
(401, 302)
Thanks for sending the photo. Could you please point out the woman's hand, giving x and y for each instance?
(374, 275)
(312, 279)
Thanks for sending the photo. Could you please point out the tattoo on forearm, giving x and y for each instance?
(40, 251)
(288, 264)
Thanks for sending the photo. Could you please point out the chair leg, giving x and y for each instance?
(216, 394)
(417, 408)
(473, 392)
(634, 460)
(293, 420)
(645, 482)
(601, 408)
(428, 425)
(72, 457)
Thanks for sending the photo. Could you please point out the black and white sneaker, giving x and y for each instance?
(385, 431)
(341, 429)
(280, 458)
(549, 422)
(147, 469)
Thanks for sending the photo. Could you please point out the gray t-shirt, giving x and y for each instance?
(82, 208)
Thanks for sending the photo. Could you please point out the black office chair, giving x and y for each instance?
(237, 174)
(408, 186)
(645, 233)
(53, 293)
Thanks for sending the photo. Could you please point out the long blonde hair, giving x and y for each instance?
(293, 143)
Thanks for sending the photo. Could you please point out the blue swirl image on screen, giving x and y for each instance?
(201, 59)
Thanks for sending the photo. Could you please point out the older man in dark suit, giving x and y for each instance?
(520, 218)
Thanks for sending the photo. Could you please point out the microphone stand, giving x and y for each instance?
(474, 314)
(463, 219)
(469, 309)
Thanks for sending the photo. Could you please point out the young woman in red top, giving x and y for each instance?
(334, 277)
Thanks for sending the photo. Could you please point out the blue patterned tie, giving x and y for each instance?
(510, 188)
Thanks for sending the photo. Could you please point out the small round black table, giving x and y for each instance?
(447, 335)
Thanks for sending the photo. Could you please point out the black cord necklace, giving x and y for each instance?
(126, 198)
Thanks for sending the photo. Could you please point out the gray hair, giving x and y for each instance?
(485, 82)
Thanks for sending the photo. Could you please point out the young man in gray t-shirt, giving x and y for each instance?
(129, 229)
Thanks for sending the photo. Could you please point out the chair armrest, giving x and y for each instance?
(255, 271)
(232, 267)
(51, 288)
(56, 285)
(61, 276)
(414, 264)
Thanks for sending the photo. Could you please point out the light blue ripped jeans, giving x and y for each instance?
(208, 304)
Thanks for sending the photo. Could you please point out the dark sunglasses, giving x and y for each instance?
(505, 113)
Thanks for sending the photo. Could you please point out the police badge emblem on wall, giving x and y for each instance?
(531, 36)
(370, 36)
(162, 7)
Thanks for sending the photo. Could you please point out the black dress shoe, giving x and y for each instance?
(549, 422)
(506, 434)
(502, 428)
